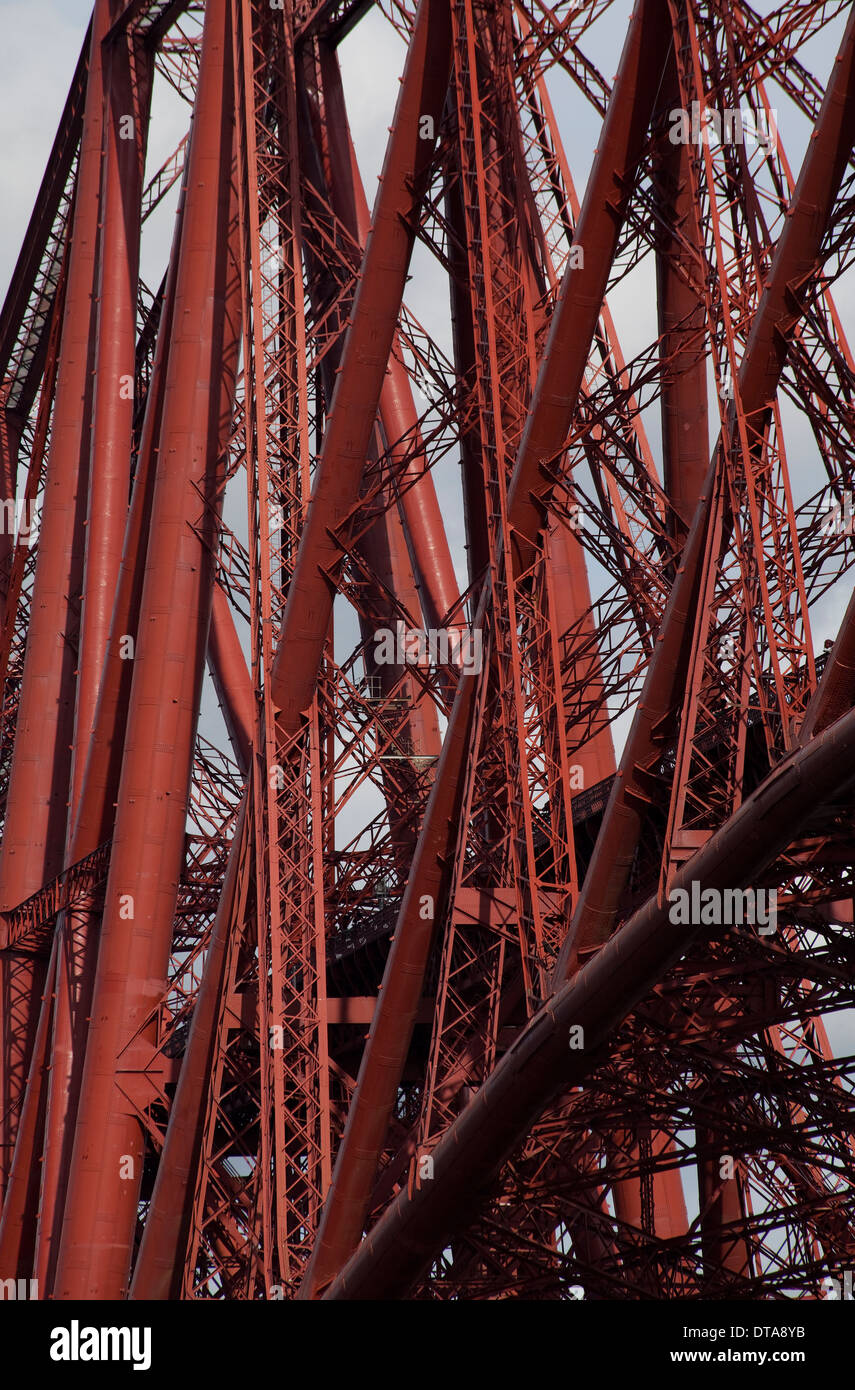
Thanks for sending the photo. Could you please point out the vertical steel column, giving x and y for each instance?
(18, 1223)
(126, 77)
(10, 442)
(95, 811)
(148, 843)
(127, 83)
(160, 1263)
(682, 326)
(37, 803)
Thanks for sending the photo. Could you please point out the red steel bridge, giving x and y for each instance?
(384, 989)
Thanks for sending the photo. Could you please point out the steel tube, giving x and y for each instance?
(363, 367)
(540, 1064)
(794, 264)
(148, 842)
(559, 380)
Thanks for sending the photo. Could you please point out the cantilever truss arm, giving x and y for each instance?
(540, 1063)
(555, 397)
(780, 309)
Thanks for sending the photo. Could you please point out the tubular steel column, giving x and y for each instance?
(127, 76)
(419, 505)
(364, 363)
(682, 326)
(148, 843)
(36, 807)
(95, 811)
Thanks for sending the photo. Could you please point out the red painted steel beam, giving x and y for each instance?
(96, 808)
(540, 1064)
(33, 840)
(431, 555)
(363, 367)
(125, 93)
(682, 326)
(18, 1223)
(37, 803)
(159, 1266)
(429, 587)
(580, 299)
(231, 679)
(148, 842)
(25, 274)
(383, 548)
(559, 380)
(95, 814)
(793, 269)
(10, 443)
(835, 693)
(463, 339)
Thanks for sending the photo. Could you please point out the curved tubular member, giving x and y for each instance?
(682, 327)
(36, 813)
(21, 1199)
(580, 298)
(540, 1064)
(109, 484)
(160, 1262)
(794, 265)
(363, 367)
(37, 802)
(114, 369)
(230, 674)
(835, 693)
(25, 383)
(11, 426)
(428, 543)
(148, 843)
(559, 379)
(96, 809)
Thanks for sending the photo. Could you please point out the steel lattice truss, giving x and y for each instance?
(386, 996)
